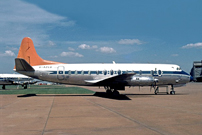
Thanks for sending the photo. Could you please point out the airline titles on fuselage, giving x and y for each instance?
(45, 67)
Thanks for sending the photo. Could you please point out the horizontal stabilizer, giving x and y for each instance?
(22, 65)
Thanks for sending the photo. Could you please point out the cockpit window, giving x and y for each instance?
(178, 68)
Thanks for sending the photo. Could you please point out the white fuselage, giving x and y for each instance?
(111, 74)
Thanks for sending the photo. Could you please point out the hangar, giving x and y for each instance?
(196, 71)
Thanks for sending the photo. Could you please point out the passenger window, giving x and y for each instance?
(105, 72)
(85, 72)
(119, 72)
(79, 72)
(111, 72)
(72, 72)
(140, 72)
(100, 72)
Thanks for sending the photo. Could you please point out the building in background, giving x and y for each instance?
(196, 71)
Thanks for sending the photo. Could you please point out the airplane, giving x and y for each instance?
(112, 76)
(15, 79)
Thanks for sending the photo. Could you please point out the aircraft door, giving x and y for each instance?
(159, 72)
(156, 72)
(61, 72)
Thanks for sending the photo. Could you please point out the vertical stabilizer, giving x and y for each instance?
(27, 52)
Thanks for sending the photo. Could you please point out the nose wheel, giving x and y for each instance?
(172, 92)
(156, 90)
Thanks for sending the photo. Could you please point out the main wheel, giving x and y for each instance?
(109, 92)
(172, 92)
(116, 93)
(25, 87)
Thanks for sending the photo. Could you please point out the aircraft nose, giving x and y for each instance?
(191, 79)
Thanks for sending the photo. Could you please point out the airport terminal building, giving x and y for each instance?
(196, 71)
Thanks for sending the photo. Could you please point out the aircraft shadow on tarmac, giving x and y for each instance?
(97, 94)
(105, 95)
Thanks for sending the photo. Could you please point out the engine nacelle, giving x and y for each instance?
(142, 80)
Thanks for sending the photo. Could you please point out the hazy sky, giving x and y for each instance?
(102, 31)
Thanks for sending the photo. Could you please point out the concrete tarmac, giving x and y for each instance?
(134, 112)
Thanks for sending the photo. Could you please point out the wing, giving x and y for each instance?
(24, 82)
(111, 80)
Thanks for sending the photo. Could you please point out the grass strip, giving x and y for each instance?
(45, 89)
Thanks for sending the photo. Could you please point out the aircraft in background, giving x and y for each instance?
(15, 79)
(112, 77)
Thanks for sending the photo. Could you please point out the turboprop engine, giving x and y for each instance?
(142, 80)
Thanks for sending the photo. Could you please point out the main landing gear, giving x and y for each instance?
(111, 92)
(156, 90)
(25, 86)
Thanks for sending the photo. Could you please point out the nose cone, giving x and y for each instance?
(191, 79)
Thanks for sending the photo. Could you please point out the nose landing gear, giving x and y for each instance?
(156, 90)
(172, 92)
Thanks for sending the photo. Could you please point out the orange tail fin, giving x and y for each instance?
(27, 52)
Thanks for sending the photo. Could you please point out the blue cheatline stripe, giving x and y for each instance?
(124, 72)
(55, 72)
(175, 72)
